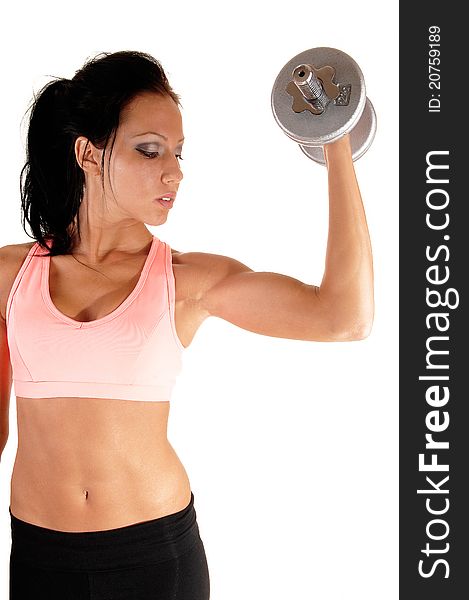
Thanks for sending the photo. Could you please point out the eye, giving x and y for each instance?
(148, 154)
(155, 154)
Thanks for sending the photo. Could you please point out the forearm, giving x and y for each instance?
(347, 284)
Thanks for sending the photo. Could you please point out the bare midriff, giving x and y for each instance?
(92, 464)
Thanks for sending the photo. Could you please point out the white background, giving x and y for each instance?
(291, 447)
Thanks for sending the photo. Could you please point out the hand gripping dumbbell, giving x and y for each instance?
(318, 97)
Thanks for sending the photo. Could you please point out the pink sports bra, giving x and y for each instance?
(132, 353)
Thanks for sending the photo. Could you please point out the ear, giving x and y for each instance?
(88, 156)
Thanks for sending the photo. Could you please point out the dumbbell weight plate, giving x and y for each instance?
(316, 130)
(361, 137)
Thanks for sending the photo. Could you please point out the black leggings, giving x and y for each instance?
(161, 559)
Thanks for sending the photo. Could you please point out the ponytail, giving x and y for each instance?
(53, 181)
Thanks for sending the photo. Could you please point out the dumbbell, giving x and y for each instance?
(319, 96)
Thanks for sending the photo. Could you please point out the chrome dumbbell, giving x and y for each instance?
(318, 97)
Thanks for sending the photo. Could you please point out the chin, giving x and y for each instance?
(155, 221)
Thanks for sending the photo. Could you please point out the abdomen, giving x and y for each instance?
(89, 464)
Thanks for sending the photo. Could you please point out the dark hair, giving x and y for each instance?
(87, 105)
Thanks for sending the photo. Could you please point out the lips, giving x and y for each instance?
(165, 203)
(171, 195)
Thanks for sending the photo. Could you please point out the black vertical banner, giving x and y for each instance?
(434, 251)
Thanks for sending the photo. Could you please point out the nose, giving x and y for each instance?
(172, 171)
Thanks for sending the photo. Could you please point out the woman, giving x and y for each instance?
(95, 315)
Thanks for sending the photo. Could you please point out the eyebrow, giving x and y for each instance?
(155, 133)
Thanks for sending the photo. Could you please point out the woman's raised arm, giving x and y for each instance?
(340, 309)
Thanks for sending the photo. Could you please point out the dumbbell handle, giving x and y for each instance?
(314, 89)
(307, 82)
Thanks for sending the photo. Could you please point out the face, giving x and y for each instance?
(145, 159)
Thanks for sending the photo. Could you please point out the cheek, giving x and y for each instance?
(129, 175)
(146, 177)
